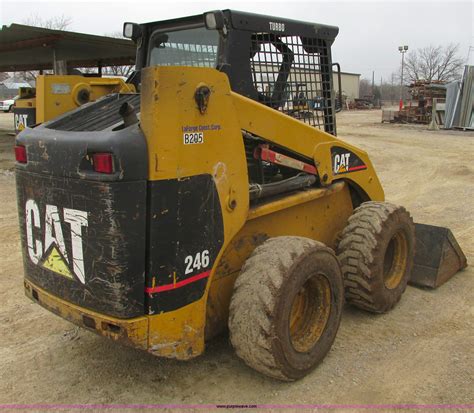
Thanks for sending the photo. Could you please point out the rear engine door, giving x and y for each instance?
(82, 213)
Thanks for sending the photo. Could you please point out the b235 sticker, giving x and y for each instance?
(345, 161)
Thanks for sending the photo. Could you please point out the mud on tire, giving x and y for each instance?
(376, 253)
(286, 307)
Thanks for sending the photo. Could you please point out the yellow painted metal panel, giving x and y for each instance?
(168, 111)
(305, 140)
(320, 216)
(56, 94)
(133, 332)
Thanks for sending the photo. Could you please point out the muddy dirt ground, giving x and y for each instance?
(421, 352)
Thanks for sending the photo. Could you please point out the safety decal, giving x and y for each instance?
(50, 250)
(345, 161)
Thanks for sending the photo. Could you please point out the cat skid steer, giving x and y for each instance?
(161, 218)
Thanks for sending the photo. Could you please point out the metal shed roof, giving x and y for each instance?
(35, 48)
(10, 84)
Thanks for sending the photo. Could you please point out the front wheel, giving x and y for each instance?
(376, 253)
(286, 307)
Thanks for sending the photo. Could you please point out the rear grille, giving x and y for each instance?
(96, 116)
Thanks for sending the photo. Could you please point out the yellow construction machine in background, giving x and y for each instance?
(58, 94)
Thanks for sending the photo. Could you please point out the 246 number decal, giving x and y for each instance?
(197, 262)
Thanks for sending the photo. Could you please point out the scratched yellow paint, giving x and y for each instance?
(133, 332)
(306, 140)
(167, 107)
(319, 214)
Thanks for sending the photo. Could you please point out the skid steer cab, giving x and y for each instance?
(217, 197)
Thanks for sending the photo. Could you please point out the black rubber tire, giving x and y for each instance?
(377, 232)
(262, 304)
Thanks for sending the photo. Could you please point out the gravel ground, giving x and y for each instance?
(421, 352)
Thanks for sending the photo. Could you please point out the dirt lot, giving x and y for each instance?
(421, 352)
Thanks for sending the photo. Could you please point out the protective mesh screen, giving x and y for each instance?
(293, 75)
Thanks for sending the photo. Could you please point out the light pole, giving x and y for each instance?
(402, 50)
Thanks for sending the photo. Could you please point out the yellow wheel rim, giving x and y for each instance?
(310, 313)
(395, 260)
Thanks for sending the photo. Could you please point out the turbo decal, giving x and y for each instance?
(50, 253)
(345, 161)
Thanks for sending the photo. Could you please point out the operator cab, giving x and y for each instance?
(265, 57)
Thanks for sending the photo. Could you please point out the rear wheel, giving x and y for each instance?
(286, 307)
(376, 253)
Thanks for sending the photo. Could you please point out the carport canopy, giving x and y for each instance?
(35, 48)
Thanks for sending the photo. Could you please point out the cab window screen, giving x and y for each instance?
(189, 47)
(294, 75)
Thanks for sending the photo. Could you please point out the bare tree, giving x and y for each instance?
(123, 71)
(365, 88)
(55, 23)
(434, 63)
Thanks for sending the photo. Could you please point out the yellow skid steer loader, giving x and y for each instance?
(160, 218)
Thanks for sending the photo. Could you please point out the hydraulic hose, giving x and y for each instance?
(291, 184)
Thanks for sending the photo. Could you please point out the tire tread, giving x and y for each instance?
(255, 293)
(358, 251)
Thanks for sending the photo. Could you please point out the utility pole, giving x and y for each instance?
(402, 50)
(391, 92)
(373, 82)
(381, 91)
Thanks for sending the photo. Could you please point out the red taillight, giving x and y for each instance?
(103, 163)
(20, 154)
